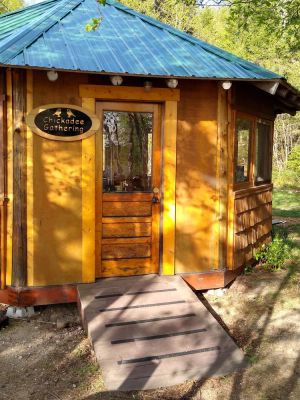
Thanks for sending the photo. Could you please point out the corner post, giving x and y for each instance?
(3, 178)
(88, 201)
(169, 187)
(19, 131)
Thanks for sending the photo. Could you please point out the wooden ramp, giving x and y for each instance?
(152, 331)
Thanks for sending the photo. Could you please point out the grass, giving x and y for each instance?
(286, 203)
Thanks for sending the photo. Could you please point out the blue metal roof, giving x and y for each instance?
(52, 35)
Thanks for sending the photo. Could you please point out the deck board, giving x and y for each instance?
(152, 331)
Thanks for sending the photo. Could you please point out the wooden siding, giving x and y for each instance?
(251, 100)
(196, 177)
(3, 183)
(57, 191)
(252, 222)
(19, 237)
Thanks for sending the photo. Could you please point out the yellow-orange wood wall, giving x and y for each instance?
(57, 195)
(56, 256)
(196, 177)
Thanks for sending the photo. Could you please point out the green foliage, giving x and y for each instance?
(274, 254)
(294, 160)
(94, 24)
(289, 176)
(279, 18)
(248, 269)
(10, 5)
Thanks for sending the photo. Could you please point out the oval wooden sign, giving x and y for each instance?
(64, 122)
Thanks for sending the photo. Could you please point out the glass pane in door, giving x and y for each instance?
(127, 151)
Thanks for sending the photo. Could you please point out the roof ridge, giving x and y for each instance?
(8, 50)
(206, 46)
(20, 10)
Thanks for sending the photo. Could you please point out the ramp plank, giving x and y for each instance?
(152, 331)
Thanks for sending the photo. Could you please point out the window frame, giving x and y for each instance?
(252, 149)
(271, 126)
(249, 182)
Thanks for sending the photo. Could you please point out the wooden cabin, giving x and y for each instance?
(132, 149)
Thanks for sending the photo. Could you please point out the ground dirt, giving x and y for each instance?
(261, 311)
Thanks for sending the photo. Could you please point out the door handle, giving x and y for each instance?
(155, 198)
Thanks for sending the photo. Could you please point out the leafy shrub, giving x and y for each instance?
(274, 254)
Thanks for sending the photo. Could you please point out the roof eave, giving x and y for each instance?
(287, 96)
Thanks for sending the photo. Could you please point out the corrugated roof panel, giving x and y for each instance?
(11, 21)
(52, 35)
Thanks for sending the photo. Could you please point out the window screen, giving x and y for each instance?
(263, 165)
(242, 150)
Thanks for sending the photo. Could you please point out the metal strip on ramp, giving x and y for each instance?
(152, 331)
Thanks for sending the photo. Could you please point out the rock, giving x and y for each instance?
(217, 292)
(3, 321)
(62, 324)
(20, 312)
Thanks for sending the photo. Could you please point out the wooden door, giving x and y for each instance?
(128, 184)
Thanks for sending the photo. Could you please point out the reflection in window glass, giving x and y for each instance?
(127, 151)
(242, 150)
(263, 153)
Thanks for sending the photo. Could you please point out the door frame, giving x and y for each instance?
(169, 99)
(155, 109)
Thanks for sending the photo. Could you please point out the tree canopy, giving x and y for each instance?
(10, 5)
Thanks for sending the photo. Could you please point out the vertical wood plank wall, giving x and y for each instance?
(60, 229)
(3, 183)
(30, 183)
(221, 219)
(9, 176)
(196, 185)
(57, 188)
(19, 237)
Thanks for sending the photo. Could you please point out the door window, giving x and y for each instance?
(127, 151)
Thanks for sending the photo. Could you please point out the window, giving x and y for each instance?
(242, 150)
(252, 151)
(263, 151)
(127, 151)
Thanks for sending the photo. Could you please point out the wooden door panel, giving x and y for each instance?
(127, 267)
(126, 208)
(127, 196)
(119, 220)
(126, 230)
(127, 240)
(117, 251)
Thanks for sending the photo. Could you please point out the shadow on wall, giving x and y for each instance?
(196, 182)
(57, 212)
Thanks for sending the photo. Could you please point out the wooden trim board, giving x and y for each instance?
(169, 187)
(34, 296)
(88, 201)
(29, 166)
(9, 176)
(118, 93)
(211, 280)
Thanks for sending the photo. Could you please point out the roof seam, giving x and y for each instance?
(208, 47)
(32, 6)
(37, 22)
